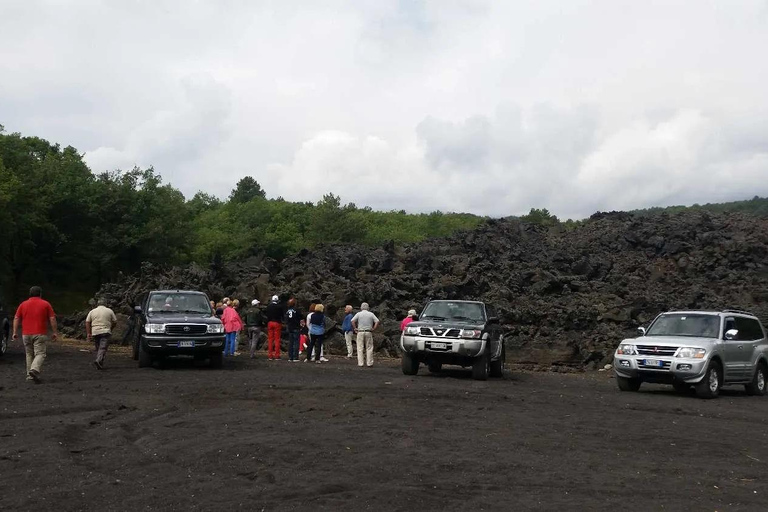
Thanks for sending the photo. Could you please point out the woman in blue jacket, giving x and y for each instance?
(316, 332)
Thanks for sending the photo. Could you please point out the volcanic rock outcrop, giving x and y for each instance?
(566, 296)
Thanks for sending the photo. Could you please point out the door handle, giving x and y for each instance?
(741, 347)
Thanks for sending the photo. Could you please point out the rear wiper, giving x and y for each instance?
(434, 317)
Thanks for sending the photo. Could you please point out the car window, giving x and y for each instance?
(749, 329)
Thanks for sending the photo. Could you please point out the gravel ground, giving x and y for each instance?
(260, 435)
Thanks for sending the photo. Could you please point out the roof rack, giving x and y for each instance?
(739, 311)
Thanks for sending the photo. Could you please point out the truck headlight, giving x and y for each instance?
(471, 333)
(691, 353)
(626, 350)
(154, 328)
(412, 331)
(215, 328)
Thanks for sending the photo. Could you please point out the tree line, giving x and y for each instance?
(70, 230)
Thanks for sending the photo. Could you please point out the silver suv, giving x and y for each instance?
(703, 349)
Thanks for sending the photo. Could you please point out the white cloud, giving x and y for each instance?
(490, 107)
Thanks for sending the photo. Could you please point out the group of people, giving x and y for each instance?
(35, 318)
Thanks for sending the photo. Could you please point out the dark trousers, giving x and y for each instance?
(293, 345)
(316, 342)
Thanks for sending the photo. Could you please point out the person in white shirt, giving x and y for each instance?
(364, 324)
(98, 328)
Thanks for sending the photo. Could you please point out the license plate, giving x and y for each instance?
(183, 344)
(441, 346)
(653, 362)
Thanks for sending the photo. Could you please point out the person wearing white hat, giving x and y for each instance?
(275, 313)
(254, 322)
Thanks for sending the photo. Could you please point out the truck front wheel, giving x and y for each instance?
(481, 367)
(410, 364)
(145, 359)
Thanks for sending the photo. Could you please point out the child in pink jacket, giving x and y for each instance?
(232, 325)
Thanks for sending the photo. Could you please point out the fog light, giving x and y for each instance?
(624, 363)
(684, 367)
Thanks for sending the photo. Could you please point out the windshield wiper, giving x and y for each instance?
(194, 311)
(465, 318)
(434, 317)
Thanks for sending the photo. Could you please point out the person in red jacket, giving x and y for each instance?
(274, 314)
(33, 316)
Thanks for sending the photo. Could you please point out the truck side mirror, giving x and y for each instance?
(641, 331)
(137, 310)
(731, 334)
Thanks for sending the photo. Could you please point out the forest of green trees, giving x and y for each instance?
(70, 230)
(67, 228)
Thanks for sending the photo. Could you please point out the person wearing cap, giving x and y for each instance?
(408, 319)
(365, 322)
(348, 330)
(98, 328)
(254, 322)
(274, 314)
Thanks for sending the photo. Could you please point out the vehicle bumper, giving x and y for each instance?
(689, 371)
(170, 345)
(453, 346)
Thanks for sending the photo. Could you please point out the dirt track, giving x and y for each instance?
(262, 435)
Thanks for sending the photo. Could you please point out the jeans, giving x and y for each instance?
(293, 345)
(230, 343)
(316, 342)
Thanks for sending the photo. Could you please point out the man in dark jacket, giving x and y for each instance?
(254, 322)
(274, 313)
(293, 320)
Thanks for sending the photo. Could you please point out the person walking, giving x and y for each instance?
(293, 324)
(98, 328)
(33, 317)
(316, 333)
(274, 314)
(232, 325)
(408, 319)
(348, 330)
(365, 322)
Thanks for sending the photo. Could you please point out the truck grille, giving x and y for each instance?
(438, 332)
(652, 350)
(186, 329)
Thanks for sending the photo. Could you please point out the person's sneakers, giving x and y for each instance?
(350, 356)
(30, 379)
(323, 360)
(35, 375)
(360, 365)
(98, 365)
(237, 353)
(319, 362)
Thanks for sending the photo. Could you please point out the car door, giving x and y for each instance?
(733, 359)
(751, 340)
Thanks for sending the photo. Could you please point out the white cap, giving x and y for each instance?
(255, 302)
(275, 298)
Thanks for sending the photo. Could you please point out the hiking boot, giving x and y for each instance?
(35, 375)
(98, 365)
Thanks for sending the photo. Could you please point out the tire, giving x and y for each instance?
(497, 367)
(481, 367)
(681, 387)
(435, 367)
(410, 364)
(709, 387)
(4, 335)
(145, 359)
(758, 385)
(626, 384)
(217, 360)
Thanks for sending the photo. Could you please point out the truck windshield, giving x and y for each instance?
(459, 311)
(176, 302)
(699, 326)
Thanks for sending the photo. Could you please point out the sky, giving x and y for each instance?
(487, 107)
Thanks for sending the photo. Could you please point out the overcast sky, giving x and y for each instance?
(489, 107)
